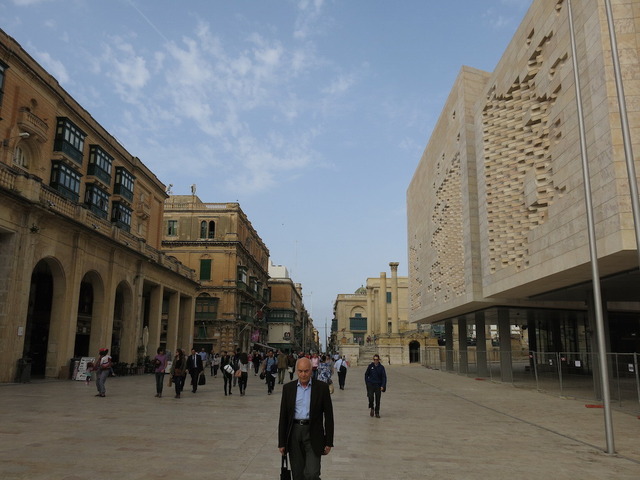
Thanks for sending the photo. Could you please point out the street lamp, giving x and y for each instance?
(5, 142)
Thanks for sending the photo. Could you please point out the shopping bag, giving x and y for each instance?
(170, 380)
(285, 473)
(202, 379)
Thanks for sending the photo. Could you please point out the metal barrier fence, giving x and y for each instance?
(566, 374)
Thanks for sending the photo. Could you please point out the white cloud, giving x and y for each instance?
(26, 3)
(309, 12)
(339, 85)
(53, 66)
(125, 68)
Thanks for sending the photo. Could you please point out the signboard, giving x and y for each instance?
(81, 373)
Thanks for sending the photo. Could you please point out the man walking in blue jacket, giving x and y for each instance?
(376, 379)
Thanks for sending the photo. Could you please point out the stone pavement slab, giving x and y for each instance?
(433, 425)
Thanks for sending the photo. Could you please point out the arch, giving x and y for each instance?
(212, 229)
(414, 351)
(203, 229)
(91, 324)
(44, 316)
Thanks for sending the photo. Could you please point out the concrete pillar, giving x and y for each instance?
(384, 316)
(155, 318)
(371, 328)
(448, 339)
(394, 297)
(462, 346)
(173, 322)
(481, 345)
(504, 333)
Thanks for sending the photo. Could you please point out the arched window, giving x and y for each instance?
(203, 229)
(212, 229)
(20, 158)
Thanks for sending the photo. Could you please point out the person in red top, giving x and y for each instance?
(103, 369)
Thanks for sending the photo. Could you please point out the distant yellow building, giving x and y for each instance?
(218, 241)
(375, 319)
(80, 230)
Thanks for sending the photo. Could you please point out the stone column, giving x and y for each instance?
(371, 328)
(155, 319)
(173, 321)
(186, 326)
(462, 346)
(448, 341)
(394, 297)
(383, 303)
(481, 345)
(504, 334)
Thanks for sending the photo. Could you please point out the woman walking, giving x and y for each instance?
(159, 363)
(324, 371)
(179, 371)
(243, 368)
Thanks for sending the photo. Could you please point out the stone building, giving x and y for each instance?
(497, 229)
(290, 327)
(375, 319)
(218, 241)
(81, 265)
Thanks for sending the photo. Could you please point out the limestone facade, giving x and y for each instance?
(80, 229)
(231, 262)
(375, 319)
(290, 327)
(496, 207)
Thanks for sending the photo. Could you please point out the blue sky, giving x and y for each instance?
(313, 114)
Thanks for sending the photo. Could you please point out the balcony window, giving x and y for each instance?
(20, 158)
(358, 324)
(212, 229)
(65, 180)
(97, 200)
(69, 139)
(121, 216)
(172, 228)
(124, 183)
(203, 229)
(100, 164)
(242, 274)
(206, 308)
(3, 69)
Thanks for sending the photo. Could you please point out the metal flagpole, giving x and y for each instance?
(602, 351)
(624, 122)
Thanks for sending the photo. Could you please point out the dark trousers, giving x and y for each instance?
(374, 391)
(178, 381)
(342, 376)
(227, 381)
(194, 379)
(305, 464)
(271, 382)
(242, 382)
(159, 382)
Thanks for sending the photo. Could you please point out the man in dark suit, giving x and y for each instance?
(195, 367)
(305, 429)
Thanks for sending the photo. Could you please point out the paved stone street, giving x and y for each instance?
(433, 425)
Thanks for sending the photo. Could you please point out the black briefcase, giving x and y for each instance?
(285, 473)
(202, 379)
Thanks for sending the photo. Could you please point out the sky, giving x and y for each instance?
(312, 114)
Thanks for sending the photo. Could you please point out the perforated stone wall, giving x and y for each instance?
(446, 274)
(518, 166)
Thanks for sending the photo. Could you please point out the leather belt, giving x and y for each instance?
(301, 422)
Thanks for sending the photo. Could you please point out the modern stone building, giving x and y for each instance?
(231, 261)
(290, 326)
(375, 319)
(497, 229)
(81, 265)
